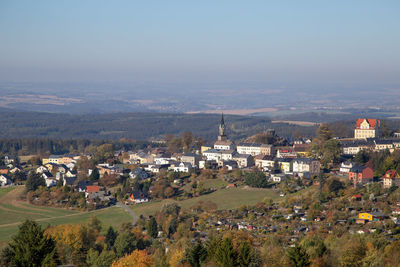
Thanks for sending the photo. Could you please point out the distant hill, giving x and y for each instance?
(139, 126)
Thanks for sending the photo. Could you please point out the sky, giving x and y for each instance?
(201, 41)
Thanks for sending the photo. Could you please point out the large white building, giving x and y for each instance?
(306, 165)
(367, 128)
(254, 149)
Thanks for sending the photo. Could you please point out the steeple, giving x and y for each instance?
(222, 136)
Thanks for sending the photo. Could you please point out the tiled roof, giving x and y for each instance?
(372, 122)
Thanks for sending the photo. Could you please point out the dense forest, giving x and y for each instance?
(138, 126)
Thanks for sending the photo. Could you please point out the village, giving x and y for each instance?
(153, 173)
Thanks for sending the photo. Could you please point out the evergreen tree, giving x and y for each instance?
(298, 257)
(110, 237)
(225, 255)
(95, 175)
(34, 181)
(30, 247)
(247, 256)
(152, 228)
(195, 255)
(124, 243)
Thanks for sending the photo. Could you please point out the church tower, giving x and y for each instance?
(222, 135)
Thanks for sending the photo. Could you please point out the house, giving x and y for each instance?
(138, 173)
(205, 148)
(383, 144)
(243, 160)
(3, 170)
(391, 178)
(367, 128)
(51, 182)
(224, 145)
(8, 160)
(302, 150)
(253, 149)
(227, 154)
(264, 162)
(212, 154)
(82, 185)
(352, 147)
(191, 158)
(306, 165)
(69, 181)
(183, 167)
(16, 169)
(47, 175)
(41, 169)
(371, 216)
(91, 188)
(345, 167)
(285, 164)
(5, 180)
(361, 174)
(277, 178)
(50, 166)
(286, 152)
(163, 158)
(357, 197)
(138, 197)
(229, 164)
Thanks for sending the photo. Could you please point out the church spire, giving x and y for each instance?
(222, 135)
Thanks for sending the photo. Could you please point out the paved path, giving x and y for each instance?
(128, 210)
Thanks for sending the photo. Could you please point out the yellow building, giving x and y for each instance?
(205, 148)
(365, 216)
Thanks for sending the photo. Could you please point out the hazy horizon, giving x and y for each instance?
(286, 42)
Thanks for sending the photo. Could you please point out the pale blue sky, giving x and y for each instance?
(294, 41)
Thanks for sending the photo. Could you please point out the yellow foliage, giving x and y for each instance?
(176, 257)
(68, 234)
(137, 258)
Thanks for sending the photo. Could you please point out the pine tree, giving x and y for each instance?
(110, 237)
(298, 257)
(195, 255)
(152, 228)
(30, 247)
(225, 255)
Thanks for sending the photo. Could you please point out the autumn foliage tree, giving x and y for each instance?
(137, 258)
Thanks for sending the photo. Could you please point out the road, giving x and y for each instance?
(128, 210)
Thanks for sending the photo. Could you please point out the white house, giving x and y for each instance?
(4, 180)
(212, 154)
(41, 169)
(183, 167)
(304, 165)
(224, 145)
(51, 182)
(345, 167)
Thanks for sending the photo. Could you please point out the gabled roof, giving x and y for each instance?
(372, 122)
(92, 188)
(390, 174)
(138, 195)
(69, 180)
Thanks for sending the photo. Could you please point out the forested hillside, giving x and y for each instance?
(138, 126)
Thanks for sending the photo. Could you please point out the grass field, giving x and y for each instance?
(14, 211)
(229, 198)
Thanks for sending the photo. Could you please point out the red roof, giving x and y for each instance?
(390, 174)
(357, 196)
(371, 122)
(92, 188)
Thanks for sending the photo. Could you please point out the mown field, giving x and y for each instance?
(228, 198)
(14, 211)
